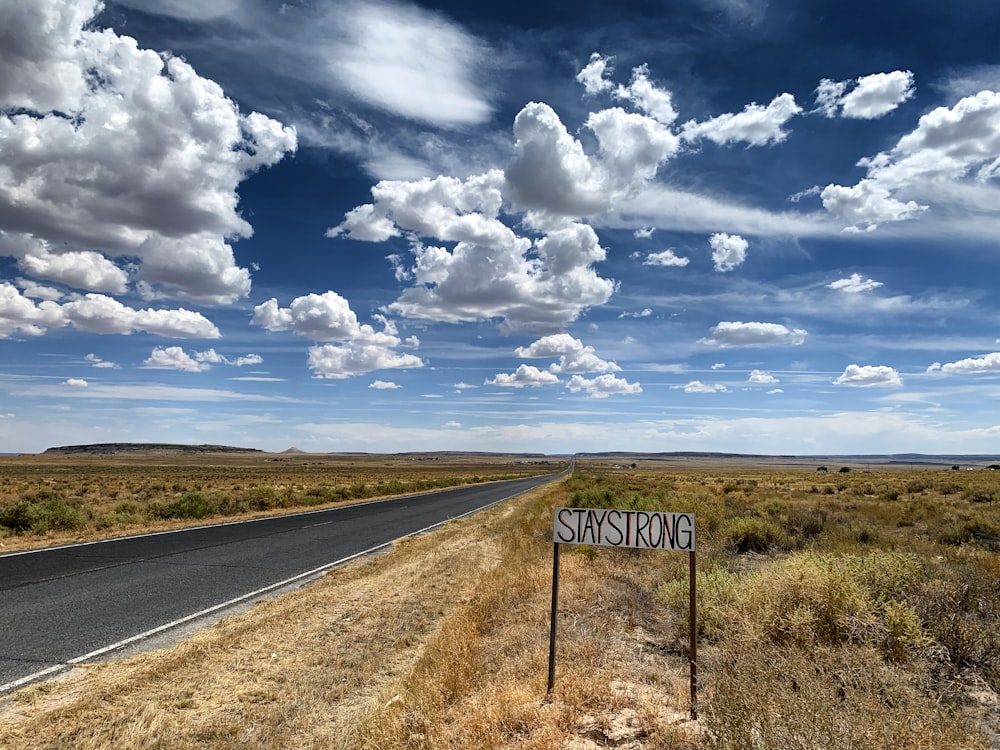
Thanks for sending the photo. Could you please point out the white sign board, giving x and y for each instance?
(637, 529)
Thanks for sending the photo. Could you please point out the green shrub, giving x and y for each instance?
(262, 497)
(974, 530)
(17, 516)
(864, 490)
(979, 496)
(753, 534)
(915, 486)
(593, 497)
(887, 575)
(805, 524)
(51, 513)
(903, 631)
(959, 608)
(717, 591)
(188, 505)
(865, 533)
(831, 600)
(127, 512)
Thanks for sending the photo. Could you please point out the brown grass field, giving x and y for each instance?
(838, 610)
(54, 498)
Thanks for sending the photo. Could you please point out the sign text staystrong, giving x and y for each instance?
(638, 529)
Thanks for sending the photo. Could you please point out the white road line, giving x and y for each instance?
(154, 631)
(149, 633)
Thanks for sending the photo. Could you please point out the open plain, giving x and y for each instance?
(73, 496)
(840, 604)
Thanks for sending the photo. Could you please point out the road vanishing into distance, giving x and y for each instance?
(66, 605)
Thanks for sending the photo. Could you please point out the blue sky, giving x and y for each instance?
(710, 225)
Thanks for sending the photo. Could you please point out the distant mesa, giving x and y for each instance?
(293, 450)
(103, 449)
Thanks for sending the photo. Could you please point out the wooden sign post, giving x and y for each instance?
(634, 529)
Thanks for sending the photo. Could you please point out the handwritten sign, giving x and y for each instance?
(637, 529)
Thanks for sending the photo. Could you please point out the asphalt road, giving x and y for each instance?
(65, 605)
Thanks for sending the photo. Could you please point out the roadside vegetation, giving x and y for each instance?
(839, 610)
(46, 499)
(849, 611)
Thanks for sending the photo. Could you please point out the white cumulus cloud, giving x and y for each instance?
(550, 170)
(867, 204)
(513, 244)
(78, 269)
(756, 125)
(666, 258)
(854, 284)
(729, 251)
(471, 282)
(631, 146)
(174, 358)
(113, 150)
(869, 97)
(96, 313)
(761, 377)
(321, 317)
(828, 96)
(574, 356)
(34, 290)
(21, 315)
(593, 75)
(640, 92)
(986, 363)
(869, 375)
(944, 162)
(446, 208)
(648, 97)
(738, 333)
(525, 375)
(329, 317)
(488, 272)
(340, 361)
(603, 386)
(696, 386)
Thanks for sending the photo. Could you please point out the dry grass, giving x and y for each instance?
(52, 499)
(297, 671)
(836, 611)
